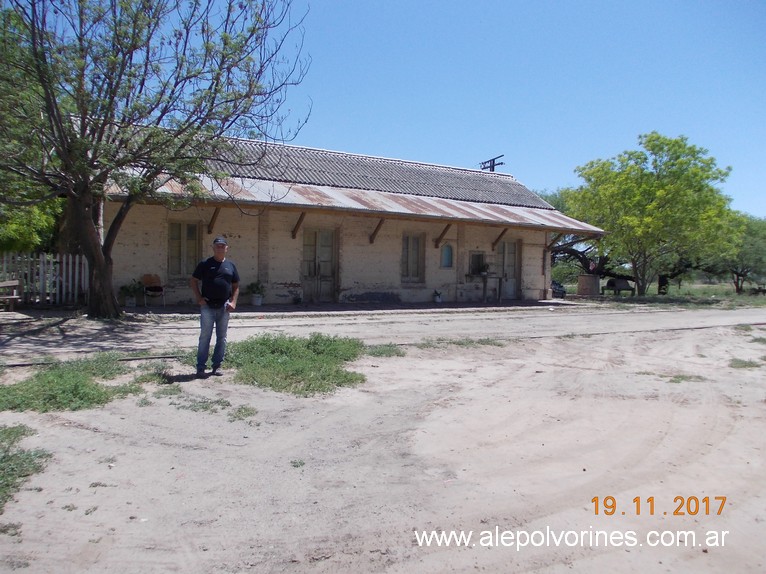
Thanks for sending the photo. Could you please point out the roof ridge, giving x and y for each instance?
(290, 163)
(381, 159)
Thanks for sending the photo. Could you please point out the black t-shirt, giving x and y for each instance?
(217, 278)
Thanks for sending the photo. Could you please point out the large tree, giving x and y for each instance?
(748, 261)
(659, 205)
(133, 93)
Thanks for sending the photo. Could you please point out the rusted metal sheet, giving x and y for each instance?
(303, 196)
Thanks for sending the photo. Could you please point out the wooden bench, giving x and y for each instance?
(10, 292)
(617, 286)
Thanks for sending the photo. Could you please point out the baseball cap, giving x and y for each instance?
(220, 241)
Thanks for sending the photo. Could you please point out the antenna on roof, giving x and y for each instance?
(490, 164)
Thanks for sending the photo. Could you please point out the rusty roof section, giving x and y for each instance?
(246, 191)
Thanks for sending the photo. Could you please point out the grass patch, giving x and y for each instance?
(144, 402)
(68, 385)
(743, 364)
(17, 465)
(205, 405)
(744, 328)
(168, 391)
(296, 365)
(761, 340)
(695, 296)
(463, 342)
(685, 378)
(241, 413)
(386, 350)
(155, 373)
(11, 529)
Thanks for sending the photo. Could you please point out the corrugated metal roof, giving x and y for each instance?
(301, 196)
(305, 178)
(315, 167)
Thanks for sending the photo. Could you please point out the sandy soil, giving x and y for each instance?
(512, 440)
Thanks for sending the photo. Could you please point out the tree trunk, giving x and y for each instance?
(102, 301)
(641, 275)
(84, 212)
(739, 282)
(68, 238)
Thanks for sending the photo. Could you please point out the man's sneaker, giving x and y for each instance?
(200, 373)
(217, 372)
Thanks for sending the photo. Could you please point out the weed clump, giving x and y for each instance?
(67, 385)
(301, 366)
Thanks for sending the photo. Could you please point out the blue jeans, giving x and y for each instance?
(209, 318)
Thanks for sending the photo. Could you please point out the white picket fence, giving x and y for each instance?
(47, 278)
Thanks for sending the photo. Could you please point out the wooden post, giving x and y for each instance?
(438, 240)
(377, 229)
(213, 219)
(298, 225)
(499, 238)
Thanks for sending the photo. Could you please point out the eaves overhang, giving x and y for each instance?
(257, 192)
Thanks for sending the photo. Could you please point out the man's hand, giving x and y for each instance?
(230, 305)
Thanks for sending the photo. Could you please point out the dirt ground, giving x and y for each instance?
(517, 443)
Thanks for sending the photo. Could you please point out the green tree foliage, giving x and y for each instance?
(132, 93)
(29, 228)
(26, 222)
(748, 261)
(659, 206)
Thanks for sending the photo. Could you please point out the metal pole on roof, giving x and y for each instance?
(490, 164)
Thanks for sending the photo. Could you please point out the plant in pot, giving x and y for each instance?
(437, 296)
(131, 291)
(256, 291)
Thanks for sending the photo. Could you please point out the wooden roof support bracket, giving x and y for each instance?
(374, 234)
(499, 237)
(213, 219)
(438, 240)
(297, 227)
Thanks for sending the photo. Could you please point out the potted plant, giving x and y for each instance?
(131, 291)
(256, 291)
(437, 296)
(484, 269)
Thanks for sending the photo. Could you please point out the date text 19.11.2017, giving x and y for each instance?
(682, 506)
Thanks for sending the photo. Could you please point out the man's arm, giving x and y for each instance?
(234, 296)
(194, 284)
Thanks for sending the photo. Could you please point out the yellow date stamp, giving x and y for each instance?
(681, 506)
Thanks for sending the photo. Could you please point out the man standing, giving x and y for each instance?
(215, 284)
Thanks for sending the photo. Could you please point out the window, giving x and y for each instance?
(183, 249)
(446, 256)
(477, 263)
(413, 258)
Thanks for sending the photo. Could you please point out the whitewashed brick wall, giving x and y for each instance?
(262, 248)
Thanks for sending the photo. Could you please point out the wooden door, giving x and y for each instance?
(511, 275)
(320, 265)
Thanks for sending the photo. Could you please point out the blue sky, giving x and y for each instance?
(551, 84)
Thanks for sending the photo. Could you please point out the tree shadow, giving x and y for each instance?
(181, 378)
(21, 329)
